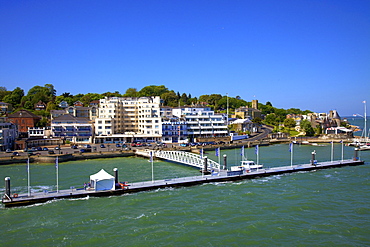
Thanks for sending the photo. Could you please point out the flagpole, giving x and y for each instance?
(342, 149)
(151, 159)
(332, 150)
(257, 153)
(57, 168)
(291, 154)
(28, 177)
(365, 122)
(219, 161)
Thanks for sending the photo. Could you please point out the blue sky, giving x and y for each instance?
(303, 54)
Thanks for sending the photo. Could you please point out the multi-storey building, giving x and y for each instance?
(76, 130)
(8, 133)
(24, 120)
(77, 111)
(128, 119)
(202, 122)
(174, 130)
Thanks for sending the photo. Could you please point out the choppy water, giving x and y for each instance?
(321, 208)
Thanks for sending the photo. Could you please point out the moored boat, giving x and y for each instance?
(246, 166)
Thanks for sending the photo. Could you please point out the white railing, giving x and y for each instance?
(186, 158)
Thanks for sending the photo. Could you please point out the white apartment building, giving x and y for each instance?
(8, 133)
(128, 119)
(202, 122)
(76, 130)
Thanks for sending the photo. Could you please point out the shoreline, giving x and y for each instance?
(46, 158)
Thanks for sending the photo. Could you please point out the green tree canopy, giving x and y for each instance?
(14, 97)
(271, 119)
(170, 99)
(131, 92)
(289, 123)
(152, 91)
(306, 126)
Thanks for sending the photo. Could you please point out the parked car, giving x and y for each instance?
(8, 150)
(118, 145)
(39, 148)
(45, 149)
(15, 154)
(74, 147)
(87, 146)
(50, 152)
(102, 146)
(57, 148)
(85, 150)
(33, 149)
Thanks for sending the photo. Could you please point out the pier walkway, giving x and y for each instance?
(182, 157)
(223, 176)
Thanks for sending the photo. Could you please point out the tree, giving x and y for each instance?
(214, 99)
(131, 92)
(87, 98)
(306, 126)
(257, 120)
(3, 93)
(110, 94)
(66, 95)
(50, 90)
(289, 123)
(50, 106)
(184, 99)
(152, 91)
(170, 99)
(271, 119)
(204, 98)
(14, 97)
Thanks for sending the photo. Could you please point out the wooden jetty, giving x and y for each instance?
(223, 176)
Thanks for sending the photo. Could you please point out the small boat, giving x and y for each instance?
(247, 166)
(364, 147)
(318, 145)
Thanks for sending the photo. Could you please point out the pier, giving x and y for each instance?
(12, 200)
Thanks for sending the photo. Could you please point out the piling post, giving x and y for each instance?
(313, 158)
(355, 158)
(205, 163)
(7, 186)
(115, 175)
(225, 161)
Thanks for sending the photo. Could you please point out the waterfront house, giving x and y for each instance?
(24, 120)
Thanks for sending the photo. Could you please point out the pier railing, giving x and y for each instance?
(182, 157)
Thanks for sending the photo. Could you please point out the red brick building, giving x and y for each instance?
(24, 119)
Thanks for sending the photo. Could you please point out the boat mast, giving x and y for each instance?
(365, 127)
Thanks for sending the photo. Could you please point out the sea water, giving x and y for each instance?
(322, 208)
